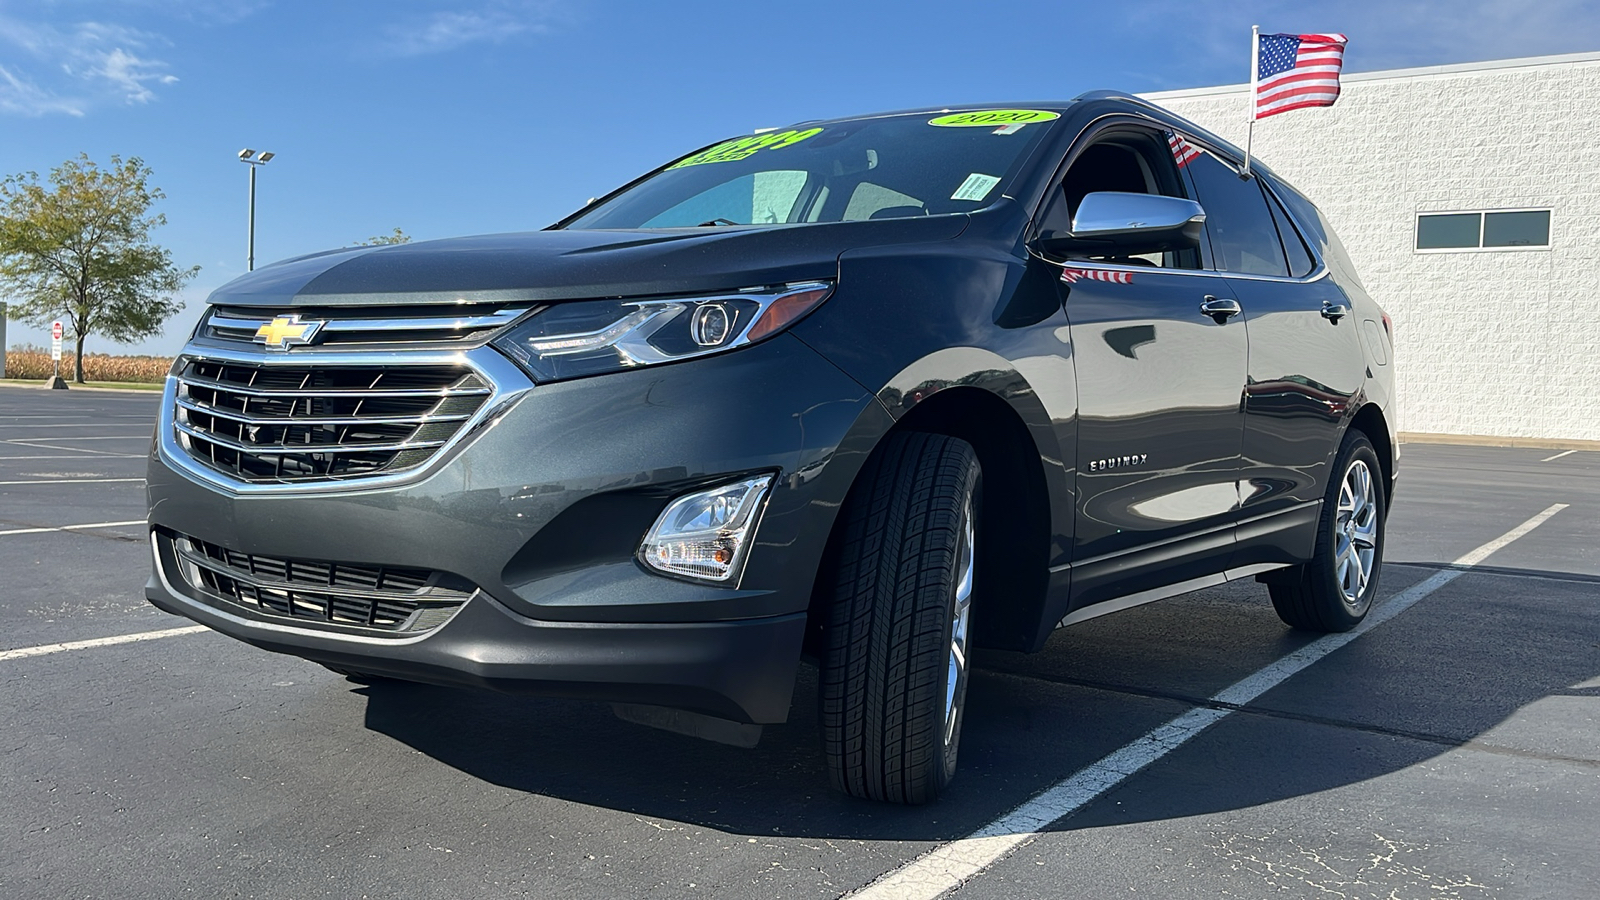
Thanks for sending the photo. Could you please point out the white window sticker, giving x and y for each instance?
(976, 187)
(1013, 128)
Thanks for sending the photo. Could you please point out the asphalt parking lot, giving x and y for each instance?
(1451, 750)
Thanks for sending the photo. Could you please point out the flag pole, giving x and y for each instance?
(1255, 74)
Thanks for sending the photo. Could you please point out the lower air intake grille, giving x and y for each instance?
(298, 423)
(400, 601)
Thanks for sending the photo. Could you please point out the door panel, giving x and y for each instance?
(1304, 370)
(1159, 429)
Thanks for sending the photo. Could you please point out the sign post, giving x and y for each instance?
(55, 381)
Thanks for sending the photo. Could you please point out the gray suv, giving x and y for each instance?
(871, 392)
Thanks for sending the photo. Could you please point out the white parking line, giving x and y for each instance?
(142, 436)
(70, 481)
(1558, 456)
(949, 866)
(92, 452)
(4, 458)
(72, 527)
(46, 649)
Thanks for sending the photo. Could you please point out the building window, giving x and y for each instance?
(1505, 229)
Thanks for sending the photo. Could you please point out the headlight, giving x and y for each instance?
(570, 340)
(706, 534)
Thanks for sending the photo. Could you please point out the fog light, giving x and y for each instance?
(707, 534)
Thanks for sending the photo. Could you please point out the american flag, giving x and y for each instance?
(1295, 71)
(1182, 150)
(1072, 275)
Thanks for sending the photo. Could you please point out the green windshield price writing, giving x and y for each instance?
(743, 148)
(993, 117)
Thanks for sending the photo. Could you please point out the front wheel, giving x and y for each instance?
(1334, 591)
(895, 664)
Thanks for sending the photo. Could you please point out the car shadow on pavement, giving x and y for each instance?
(1437, 677)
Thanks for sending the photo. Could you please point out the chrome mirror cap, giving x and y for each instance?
(1116, 215)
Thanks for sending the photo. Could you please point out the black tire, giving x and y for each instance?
(1327, 593)
(891, 718)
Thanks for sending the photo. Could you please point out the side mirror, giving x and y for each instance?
(1113, 223)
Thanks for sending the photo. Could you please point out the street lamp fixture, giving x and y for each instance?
(250, 158)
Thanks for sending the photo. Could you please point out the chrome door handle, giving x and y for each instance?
(1333, 312)
(1220, 309)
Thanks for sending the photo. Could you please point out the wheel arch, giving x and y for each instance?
(1370, 421)
(994, 409)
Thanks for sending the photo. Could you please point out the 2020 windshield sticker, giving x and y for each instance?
(745, 147)
(989, 118)
(976, 187)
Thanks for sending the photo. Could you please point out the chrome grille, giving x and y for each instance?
(342, 327)
(341, 596)
(307, 422)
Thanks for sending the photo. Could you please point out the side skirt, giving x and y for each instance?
(1263, 544)
(1106, 607)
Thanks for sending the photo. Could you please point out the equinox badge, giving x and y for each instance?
(288, 331)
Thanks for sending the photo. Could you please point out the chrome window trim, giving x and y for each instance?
(507, 381)
(1317, 274)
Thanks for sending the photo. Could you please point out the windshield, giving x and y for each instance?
(881, 168)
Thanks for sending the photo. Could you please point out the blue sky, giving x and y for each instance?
(484, 116)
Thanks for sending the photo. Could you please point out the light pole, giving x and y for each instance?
(254, 161)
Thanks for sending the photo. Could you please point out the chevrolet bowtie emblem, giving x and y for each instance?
(284, 332)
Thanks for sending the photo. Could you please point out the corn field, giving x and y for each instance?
(34, 364)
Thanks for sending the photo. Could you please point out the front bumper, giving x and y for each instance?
(541, 509)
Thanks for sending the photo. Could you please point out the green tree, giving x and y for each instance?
(398, 237)
(79, 250)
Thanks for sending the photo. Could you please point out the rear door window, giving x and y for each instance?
(1244, 238)
(1294, 246)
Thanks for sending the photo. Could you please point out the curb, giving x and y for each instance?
(1490, 440)
(76, 387)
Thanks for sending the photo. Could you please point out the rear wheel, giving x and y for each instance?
(895, 664)
(1334, 591)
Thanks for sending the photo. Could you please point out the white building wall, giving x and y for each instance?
(1499, 343)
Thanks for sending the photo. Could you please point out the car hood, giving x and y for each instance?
(545, 266)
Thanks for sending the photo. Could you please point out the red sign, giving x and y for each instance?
(55, 331)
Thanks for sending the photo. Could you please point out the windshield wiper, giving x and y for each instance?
(719, 222)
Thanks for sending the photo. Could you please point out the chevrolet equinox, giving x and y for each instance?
(870, 392)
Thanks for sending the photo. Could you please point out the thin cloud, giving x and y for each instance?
(24, 98)
(131, 76)
(78, 65)
(442, 32)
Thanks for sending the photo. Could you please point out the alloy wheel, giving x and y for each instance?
(960, 618)
(1355, 533)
